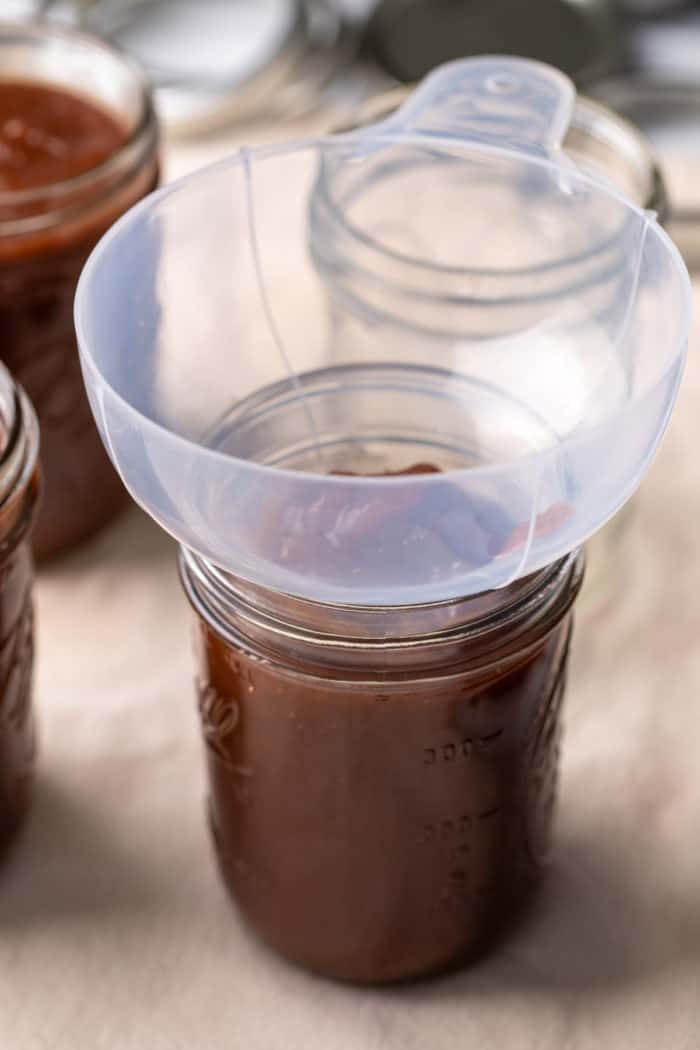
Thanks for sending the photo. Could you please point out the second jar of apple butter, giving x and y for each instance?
(78, 147)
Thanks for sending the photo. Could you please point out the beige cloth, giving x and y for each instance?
(115, 932)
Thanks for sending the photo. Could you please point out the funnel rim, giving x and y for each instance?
(153, 199)
(351, 481)
(389, 135)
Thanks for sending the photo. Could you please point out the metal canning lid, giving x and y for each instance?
(409, 37)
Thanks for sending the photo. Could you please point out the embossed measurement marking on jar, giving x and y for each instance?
(451, 752)
(458, 827)
(460, 844)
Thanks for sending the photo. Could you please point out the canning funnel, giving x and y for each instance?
(402, 365)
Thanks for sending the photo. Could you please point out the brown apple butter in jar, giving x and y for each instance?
(382, 780)
(78, 147)
(19, 442)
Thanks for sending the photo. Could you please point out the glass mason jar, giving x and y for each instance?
(46, 234)
(19, 444)
(597, 140)
(381, 780)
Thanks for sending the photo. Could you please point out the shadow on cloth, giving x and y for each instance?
(133, 539)
(65, 863)
(595, 927)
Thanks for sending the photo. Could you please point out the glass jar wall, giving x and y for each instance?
(19, 441)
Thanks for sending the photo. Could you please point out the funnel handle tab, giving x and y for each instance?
(497, 100)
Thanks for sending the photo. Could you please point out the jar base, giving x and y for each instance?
(512, 910)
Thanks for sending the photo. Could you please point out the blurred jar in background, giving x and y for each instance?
(607, 145)
(19, 444)
(78, 147)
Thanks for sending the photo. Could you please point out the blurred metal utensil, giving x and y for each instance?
(215, 61)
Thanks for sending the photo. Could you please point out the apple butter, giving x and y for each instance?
(70, 164)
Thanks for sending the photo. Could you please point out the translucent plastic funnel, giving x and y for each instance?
(443, 289)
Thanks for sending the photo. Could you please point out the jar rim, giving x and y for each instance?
(259, 618)
(137, 140)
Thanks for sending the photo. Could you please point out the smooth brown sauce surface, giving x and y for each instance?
(48, 135)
